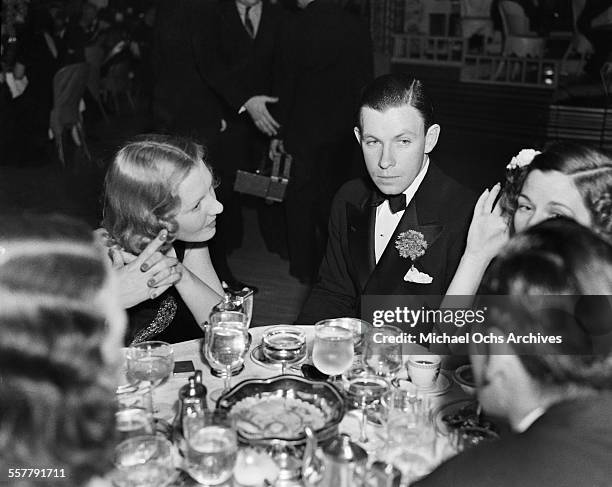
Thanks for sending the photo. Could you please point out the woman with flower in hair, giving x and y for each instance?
(566, 179)
(160, 210)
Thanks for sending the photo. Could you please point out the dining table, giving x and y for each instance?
(165, 396)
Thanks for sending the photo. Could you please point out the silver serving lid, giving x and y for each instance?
(343, 450)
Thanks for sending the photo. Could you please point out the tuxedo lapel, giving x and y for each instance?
(361, 239)
(421, 216)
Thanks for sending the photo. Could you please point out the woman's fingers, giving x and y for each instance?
(152, 248)
(478, 207)
(161, 265)
(166, 277)
(491, 197)
(494, 201)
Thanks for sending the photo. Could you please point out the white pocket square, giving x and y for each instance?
(418, 277)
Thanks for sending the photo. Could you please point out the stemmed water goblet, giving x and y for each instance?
(383, 351)
(284, 344)
(366, 390)
(332, 352)
(150, 361)
(227, 341)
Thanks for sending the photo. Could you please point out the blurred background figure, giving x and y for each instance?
(37, 60)
(326, 61)
(600, 36)
(61, 332)
(240, 62)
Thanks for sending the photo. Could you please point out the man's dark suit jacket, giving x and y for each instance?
(570, 445)
(326, 61)
(238, 66)
(441, 210)
(183, 102)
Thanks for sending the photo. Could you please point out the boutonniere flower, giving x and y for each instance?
(412, 245)
(522, 159)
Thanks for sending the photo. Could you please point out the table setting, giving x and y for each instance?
(289, 405)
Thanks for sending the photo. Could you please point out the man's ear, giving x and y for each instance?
(431, 137)
(357, 133)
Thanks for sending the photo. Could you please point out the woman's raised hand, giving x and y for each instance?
(147, 275)
(489, 230)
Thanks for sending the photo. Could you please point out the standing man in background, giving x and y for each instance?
(237, 57)
(326, 60)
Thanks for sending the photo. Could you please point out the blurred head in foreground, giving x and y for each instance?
(61, 332)
(552, 280)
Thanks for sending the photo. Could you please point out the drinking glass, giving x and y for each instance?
(364, 391)
(383, 351)
(134, 416)
(411, 435)
(226, 344)
(332, 352)
(285, 345)
(212, 447)
(150, 361)
(144, 461)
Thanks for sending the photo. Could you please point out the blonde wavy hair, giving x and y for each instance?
(141, 188)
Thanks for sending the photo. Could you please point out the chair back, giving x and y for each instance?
(118, 78)
(514, 19)
(69, 85)
(476, 8)
(94, 55)
(577, 8)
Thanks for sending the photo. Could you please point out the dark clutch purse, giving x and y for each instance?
(269, 181)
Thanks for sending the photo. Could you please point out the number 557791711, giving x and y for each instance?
(36, 473)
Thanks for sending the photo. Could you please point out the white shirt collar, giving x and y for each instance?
(414, 186)
(386, 222)
(525, 423)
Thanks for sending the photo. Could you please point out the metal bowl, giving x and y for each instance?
(320, 394)
(464, 376)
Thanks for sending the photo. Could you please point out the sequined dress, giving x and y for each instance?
(166, 318)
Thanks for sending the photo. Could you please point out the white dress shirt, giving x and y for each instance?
(254, 15)
(386, 222)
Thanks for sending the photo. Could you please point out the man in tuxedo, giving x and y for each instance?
(556, 395)
(403, 230)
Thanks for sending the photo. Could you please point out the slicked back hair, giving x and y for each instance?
(396, 90)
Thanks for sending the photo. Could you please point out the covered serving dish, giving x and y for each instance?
(275, 411)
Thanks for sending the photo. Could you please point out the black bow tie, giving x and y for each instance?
(397, 202)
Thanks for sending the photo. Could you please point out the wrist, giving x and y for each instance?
(476, 259)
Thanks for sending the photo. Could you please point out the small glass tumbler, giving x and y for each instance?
(144, 461)
(212, 446)
(134, 416)
(284, 344)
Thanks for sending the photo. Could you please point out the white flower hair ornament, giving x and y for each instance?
(522, 159)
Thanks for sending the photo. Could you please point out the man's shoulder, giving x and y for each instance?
(449, 195)
(450, 184)
(356, 191)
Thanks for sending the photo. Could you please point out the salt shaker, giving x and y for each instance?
(192, 400)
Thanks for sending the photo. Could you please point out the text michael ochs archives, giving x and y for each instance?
(469, 337)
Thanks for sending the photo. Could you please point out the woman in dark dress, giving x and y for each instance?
(160, 202)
